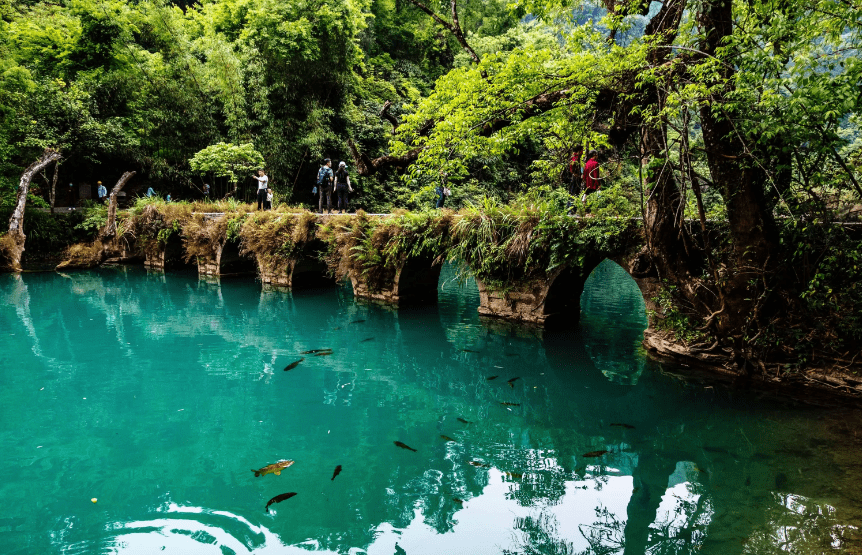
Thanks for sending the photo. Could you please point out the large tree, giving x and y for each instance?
(756, 101)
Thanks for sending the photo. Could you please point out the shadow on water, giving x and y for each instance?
(157, 394)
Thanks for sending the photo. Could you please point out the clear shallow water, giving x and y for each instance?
(156, 394)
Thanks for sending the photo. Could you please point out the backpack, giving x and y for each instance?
(321, 174)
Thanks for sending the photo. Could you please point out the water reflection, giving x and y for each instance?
(157, 393)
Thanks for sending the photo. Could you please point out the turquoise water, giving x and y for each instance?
(157, 394)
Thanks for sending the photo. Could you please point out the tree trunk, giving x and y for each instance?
(52, 194)
(740, 180)
(110, 229)
(12, 245)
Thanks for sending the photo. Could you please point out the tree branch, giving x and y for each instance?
(454, 27)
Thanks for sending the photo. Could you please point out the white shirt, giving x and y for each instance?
(262, 182)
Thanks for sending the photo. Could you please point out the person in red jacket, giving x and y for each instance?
(591, 175)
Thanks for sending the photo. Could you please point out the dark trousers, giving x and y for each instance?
(341, 192)
(261, 199)
(575, 184)
(324, 190)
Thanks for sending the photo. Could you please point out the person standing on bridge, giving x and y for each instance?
(591, 175)
(262, 186)
(342, 186)
(324, 185)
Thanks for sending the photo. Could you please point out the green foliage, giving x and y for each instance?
(825, 260)
(95, 216)
(670, 317)
(534, 235)
(227, 160)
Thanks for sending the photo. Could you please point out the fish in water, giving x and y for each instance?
(312, 351)
(274, 468)
(469, 351)
(513, 380)
(293, 365)
(324, 353)
(401, 445)
(279, 499)
(336, 472)
(462, 421)
(512, 355)
(447, 438)
(478, 464)
(595, 453)
(626, 426)
(511, 404)
(489, 378)
(514, 475)
(367, 339)
(459, 501)
(357, 321)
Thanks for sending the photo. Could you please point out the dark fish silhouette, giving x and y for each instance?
(513, 380)
(274, 468)
(293, 365)
(462, 421)
(337, 472)
(459, 501)
(626, 426)
(592, 454)
(447, 438)
(480, 464)
(514, 475)
(312, 351)
(511, 404)
(279, 499)
(469, 351)
(324, 353)
(357, 321)
(489, 378)
(512, 355)
(367, 339)
(401, 445)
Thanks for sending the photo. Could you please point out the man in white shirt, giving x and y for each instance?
(262, 186)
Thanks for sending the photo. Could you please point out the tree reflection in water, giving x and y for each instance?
(684, 468)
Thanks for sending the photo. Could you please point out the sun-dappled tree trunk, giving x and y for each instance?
(110, 229)
(12, 245)
(52, 194)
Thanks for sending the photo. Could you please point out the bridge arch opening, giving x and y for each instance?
(613, 320)
(232, 262)
(418, 280)
(175, 254)
(309, 270)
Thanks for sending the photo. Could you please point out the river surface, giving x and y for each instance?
(156, 395)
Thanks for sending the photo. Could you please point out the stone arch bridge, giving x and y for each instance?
(396, 259)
